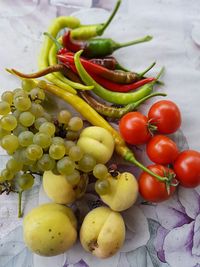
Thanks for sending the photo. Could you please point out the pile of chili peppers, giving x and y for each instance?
(94, 68)
(78, 61)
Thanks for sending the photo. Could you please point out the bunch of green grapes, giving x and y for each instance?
(38, 142)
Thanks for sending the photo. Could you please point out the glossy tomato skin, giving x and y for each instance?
(187, 168)
(166, 115)
(134, 128)
(162, 150)
(153, 190)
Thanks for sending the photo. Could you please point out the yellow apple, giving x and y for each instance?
(50, 229)
(102, 232)
(97, 142)
(60, 190)
(123, 192)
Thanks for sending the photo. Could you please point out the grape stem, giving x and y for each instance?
(20, 204)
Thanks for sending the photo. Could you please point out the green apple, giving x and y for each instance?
(97, 142)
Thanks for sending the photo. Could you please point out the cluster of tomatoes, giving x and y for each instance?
(180, 167)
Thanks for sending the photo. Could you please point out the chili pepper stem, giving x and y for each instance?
(139, 102)
(101, 30)
(147, 38)
(147, 69)
(58, 45)
(130, 158)
(20, 204)
(158, 76)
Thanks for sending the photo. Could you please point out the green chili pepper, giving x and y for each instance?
(113, 97)
(85, 32)
(112, 112)
(101, 47)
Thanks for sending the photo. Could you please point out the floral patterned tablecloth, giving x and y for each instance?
(163, 235)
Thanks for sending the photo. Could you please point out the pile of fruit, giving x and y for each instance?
(69, 155)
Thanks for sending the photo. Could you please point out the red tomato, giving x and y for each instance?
(166, 116)
(134, 128)
(162, 150)
(187, 168)
(153, 190)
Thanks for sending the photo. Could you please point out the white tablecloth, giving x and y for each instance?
(164, 235)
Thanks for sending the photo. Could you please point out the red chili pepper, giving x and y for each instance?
(72, 46)
(116, 76)
(68, 58)
(62, 50)
(120, 87)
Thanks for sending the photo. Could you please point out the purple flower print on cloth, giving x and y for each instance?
(178, 238)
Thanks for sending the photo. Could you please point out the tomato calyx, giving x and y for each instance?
(152, 128)
(170, 181)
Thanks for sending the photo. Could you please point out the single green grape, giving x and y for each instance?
(86, 163)
(34, 168)
(46, 163)
(7, 175)
(16, 113)
(25, 138)
(55, 170)
(57, 151)
(34, 152)
(19, 129)
(100, 171)
(4, 108)
(26, 118)
(68, 145)
(75, 124)
(8, 122)
(24, 181)
(37, 110)
(39, 121)
(3, 132)
(58, 140)
(47, 127)
(64, 116)
(47, 116)
(65, 166)
(102, 187)
(10, 143)
(14, 165)
(7, 96)
(37, 95)
(17, 155)
(74, 177)
(72, 135)
(19, 92)
(25, 160)
(22, 103)
(28, 84)
(42, 139)
(75, 153)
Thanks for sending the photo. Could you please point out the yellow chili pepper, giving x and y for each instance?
(43, 62)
